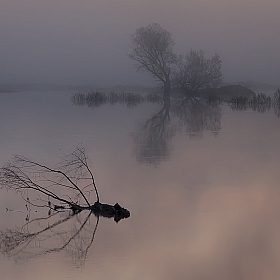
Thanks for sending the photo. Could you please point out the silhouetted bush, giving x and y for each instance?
(96, 99)
(259, 103)
(276, 103)
(154, 98)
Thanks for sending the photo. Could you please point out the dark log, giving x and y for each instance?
(110, 211)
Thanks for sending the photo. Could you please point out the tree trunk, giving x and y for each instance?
(166, 93)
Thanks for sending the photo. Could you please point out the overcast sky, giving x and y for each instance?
(87, 41)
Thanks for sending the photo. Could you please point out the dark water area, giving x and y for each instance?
(201, 183)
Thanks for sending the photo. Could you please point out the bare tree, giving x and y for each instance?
(196, 72)
(67, 186)
(152, 50)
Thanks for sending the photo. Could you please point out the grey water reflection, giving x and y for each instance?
(197, 116)
(209, 210)
(153, 139)
(153, 135)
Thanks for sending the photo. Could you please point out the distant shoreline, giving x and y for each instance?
(8, 91)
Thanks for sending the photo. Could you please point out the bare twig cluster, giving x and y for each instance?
(67, 186)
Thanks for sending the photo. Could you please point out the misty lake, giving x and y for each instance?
(201, 183)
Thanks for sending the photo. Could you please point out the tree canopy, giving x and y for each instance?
(196, 72)
(152, 50)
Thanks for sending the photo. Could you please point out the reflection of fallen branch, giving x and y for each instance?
(11, 240)
(52, 238)
(68, 186)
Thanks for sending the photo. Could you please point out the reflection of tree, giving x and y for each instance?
(197, 116)
(48, 235)
(153, 137)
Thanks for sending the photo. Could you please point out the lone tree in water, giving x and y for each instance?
(196, 72)
(152, 50)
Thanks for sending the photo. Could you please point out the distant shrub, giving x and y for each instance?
(96, 99)
(154, 98)
(259, 102)
(276, 103)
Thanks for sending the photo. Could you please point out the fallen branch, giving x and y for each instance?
(68, 186)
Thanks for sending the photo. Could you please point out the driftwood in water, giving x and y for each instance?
(108, 211)
(68, 186)
(99, 209)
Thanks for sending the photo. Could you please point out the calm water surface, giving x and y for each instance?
(203, 191)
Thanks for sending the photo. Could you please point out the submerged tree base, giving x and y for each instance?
(105, 210)
(99, 209)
